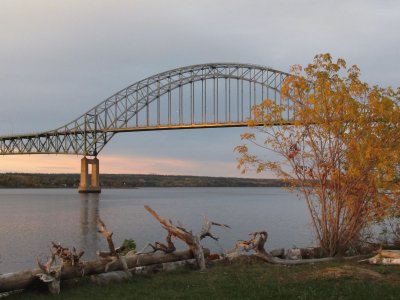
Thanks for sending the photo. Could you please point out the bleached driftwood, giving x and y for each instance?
(113, 254)
(168, 248)
(192, 240)
(386, 257)
(257, 242)
(66, 256)
(118, 276)
(205, 230)
(51, 275)
(26, 279)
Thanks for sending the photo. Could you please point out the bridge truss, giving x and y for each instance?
(198, 96)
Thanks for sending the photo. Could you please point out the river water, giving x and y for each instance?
(31, 218)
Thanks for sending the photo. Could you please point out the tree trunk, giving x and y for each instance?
(257, 242)
(118, 276)
(25, 279)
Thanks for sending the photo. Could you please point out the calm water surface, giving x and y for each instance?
(31, 218)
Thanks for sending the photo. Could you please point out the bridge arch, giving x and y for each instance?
(197, 96)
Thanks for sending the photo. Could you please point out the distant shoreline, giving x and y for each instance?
(36, 180)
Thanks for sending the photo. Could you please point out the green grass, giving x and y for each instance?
(244, 281)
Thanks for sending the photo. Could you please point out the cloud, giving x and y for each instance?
(169, 166)
(60, 58)
(145, 165)
(120, 164)
(39, 164)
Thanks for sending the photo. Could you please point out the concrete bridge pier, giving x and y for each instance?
(89, 183)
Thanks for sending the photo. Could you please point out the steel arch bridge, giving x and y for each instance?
(199, 96)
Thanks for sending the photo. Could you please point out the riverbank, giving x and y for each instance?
(248, 279)
(31, 180)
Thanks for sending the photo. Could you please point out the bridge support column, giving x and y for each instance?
(89, 183)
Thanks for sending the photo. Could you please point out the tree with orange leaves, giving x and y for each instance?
(341, 149)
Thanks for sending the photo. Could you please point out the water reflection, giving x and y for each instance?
(89, 214)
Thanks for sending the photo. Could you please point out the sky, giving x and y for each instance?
(60, 58)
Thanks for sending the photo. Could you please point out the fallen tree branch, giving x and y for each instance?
(192, 240)
(386, 257)
(205, 230)
(26, 279)
(113, 255)
(51, 275)
(169, 248)
(108, 236)
(66, 256)
(257, 242)
(118, 276)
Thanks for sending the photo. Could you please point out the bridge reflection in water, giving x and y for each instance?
(199, 96)
(89, 213)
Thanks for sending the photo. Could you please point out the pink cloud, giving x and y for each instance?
(40, 163)
(165, 165)
(120, 165)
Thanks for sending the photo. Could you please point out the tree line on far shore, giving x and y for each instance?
(28, 180)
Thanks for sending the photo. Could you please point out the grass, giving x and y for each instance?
(249, 280)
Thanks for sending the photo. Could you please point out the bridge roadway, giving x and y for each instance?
(199, 96)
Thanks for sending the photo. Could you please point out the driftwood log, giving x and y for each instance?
(168, 248)
(66, 256)
(26, 279)
(110, 261)
(257, 242)
(192, 240)
(386, 257)
(114, 254)
(117, 276)
(51, 275)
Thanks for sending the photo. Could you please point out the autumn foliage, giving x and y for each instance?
(341, 148)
